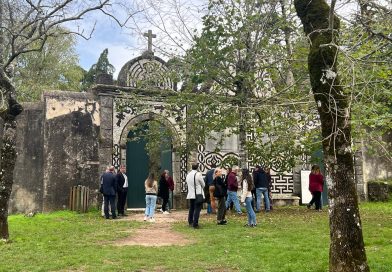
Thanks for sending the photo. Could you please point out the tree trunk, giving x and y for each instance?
(7, 165)
(242, 141)
(347, 251)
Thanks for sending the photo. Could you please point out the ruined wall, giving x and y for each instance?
(375, 166)
(28, 175)
(71, 132)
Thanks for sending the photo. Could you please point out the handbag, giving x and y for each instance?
(199, 198)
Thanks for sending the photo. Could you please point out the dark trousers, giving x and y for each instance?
(221, 213)
(122, 197)
(165, 200)
(316, 199)
(109, 199)
(194, 213)
(254, 199)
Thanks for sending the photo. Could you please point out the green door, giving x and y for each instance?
(138, 162)
(137, 171)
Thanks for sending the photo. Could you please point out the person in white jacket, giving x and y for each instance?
(246, 197)
(195, 183)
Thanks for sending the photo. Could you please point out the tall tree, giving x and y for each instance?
(26, 26)
(55, 67)
(101, 67)
(347, 250)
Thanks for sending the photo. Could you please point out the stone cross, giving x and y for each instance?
(150, 36)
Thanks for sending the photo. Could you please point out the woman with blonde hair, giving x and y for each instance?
(151, 187)
(316, 183)
(220, 193)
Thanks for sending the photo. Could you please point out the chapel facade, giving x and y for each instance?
(69, 138)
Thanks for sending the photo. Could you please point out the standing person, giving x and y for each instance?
(261, 184)
(170, 183)
(316, 183)
(232, 187)
(195, 183)
(220, 190)
(246, 197)
(122, 190)
(164, 191)
(269, 179)
(209, 180)
(109, 187)
(254, 195)
(101, 191)
(151, 187)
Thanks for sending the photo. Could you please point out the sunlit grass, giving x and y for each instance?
(287, 239)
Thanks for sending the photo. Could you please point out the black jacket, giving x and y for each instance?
(260, 179)
(109, 185)
(220, 187)
(120, 180)
(163, 190)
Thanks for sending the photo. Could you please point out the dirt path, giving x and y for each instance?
(156, 234)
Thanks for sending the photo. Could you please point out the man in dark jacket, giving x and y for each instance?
(122, 190)
(109, 186)
(261, 184)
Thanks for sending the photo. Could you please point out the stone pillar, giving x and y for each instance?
(106, 132)
(358, 174)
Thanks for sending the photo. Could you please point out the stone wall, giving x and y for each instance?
(28, 175)
(71, 133)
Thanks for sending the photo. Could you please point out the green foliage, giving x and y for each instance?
(101, 67)
(289, 239)
(157, 138)
(55, 67)
(367, 75)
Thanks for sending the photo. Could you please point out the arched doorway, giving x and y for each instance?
(148, 149)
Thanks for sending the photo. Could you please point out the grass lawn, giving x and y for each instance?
(287, 239)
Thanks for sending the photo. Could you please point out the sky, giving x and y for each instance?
(122, 45)
(125, 44)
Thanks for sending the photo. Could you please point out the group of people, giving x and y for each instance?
(113, 185)
(222, 192)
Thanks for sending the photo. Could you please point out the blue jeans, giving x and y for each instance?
(232, 197)
(250, 211)
(151, 202)
(264, 191)
(170, 203)
(209, 208)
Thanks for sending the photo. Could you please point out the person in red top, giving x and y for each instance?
(170, 183)
(316, 183)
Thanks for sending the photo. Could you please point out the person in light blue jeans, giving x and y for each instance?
(261, 184)
(232, 187)
(246, 197)
(151, 187)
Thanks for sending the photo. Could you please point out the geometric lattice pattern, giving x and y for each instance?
(183, 172)
(116, 156)
(282, 184)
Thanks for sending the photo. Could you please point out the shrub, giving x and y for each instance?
(380, 190)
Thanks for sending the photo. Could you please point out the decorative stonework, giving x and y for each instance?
(145, 71)
(282, 184)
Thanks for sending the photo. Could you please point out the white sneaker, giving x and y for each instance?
(145, 218)
(166, 212)
(152, 220)
(160, 210)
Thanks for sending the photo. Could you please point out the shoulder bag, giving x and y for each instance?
(199, 199)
